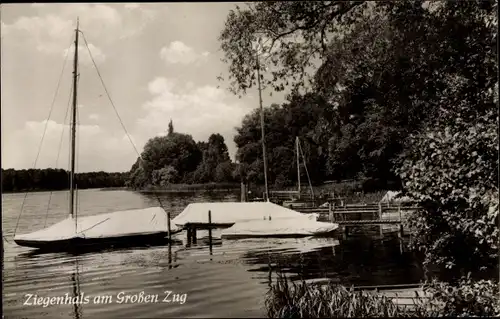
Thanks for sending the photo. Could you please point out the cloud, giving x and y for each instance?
(47, 32)
(179, 53)
(160, 85)
(52, 32)
(97, 149)
(199, 111)
(94, 117)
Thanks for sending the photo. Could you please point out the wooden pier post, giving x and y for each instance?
(330, 212)
(194, 235)
(346, 232)
(169, 227)
(380, 229)
(210, 231)
(169, 254)
(189, 235)
(400, 236)
(401, 230)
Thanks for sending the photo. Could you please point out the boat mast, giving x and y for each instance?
(264, 157)
(73, 126)
(298, 162)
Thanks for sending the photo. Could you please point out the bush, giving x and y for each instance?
(452, 173)
(467, 299)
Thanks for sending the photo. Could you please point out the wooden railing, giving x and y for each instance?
(360, 212)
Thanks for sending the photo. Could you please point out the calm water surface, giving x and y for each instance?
(232, 282)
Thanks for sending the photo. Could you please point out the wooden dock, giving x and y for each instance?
(346, 216)
(356, 215)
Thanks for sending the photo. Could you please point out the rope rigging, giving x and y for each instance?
(59, 150)
(114, 107)
(44, 132)
(307, 172)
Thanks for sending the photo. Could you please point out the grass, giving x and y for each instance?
(287, 299)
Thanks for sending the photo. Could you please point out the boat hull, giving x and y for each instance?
(79, 243)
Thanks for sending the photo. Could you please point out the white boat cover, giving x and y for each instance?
(232, 212)
(294, 226)
(116, 224)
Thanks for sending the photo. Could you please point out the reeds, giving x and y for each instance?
(287, 299)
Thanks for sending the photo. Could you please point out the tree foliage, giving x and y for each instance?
(299, 117)
(451, 167)
(170, 128)
(177, 158)
(452, 172)
(214, 154)
(293, 34)
(176, 150)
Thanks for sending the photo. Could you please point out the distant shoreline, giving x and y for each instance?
(166, 189)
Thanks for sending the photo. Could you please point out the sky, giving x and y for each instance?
(158, 62)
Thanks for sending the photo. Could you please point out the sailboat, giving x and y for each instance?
(150, 226)
(298, 201)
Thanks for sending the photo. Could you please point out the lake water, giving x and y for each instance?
(232, 282)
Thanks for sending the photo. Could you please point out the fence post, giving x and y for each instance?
(381, 233)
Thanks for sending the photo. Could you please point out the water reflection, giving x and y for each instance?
(75, 279)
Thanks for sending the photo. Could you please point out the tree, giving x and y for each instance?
(215, 153)
(294, 34)
(223, 172)
(170, 127)
(451, 168)
(165, 176)
(298, 117)
(176, 150)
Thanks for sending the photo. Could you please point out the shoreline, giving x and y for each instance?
(172, 188)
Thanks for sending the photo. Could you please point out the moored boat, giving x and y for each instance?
(299, 226)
